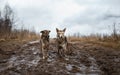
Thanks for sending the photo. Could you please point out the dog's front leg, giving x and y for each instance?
(43, 51)
(45, 54)
(64, 49)
(59, 51)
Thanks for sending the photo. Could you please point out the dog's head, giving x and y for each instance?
(60, 33)
(45, 33)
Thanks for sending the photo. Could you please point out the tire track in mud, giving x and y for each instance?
(28, 61)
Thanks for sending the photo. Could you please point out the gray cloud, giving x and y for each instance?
(97, 18)
(84, 16)
(111, 16)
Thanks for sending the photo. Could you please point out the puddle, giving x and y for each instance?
(79, 74)
(29, 58)
(69, 67)
(81, 69)
(33, 42)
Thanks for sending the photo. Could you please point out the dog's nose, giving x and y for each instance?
(48, 36)
(60, 36)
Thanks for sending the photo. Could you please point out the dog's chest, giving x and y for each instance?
(44, 43)
(61, 42)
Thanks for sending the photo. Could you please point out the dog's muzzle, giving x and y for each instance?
(47, 36)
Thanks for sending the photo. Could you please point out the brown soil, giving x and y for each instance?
(18, 58)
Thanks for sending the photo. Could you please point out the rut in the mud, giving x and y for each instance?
(28, 61)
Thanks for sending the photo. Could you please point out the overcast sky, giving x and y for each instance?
(83, 16)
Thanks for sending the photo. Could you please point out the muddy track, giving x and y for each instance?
(28, 61)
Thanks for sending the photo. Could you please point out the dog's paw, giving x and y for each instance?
(43, 57)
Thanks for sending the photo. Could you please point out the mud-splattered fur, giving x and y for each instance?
(44, 42)
(61, 42)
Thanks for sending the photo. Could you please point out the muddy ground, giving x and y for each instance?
(86, 59)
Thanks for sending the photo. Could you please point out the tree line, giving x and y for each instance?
(8, 23)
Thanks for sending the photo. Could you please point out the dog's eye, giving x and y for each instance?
(43, 32)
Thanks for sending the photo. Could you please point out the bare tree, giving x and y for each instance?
(114, 33)
(8, 21)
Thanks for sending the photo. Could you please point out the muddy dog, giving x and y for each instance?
(61, 42)
(44, 42)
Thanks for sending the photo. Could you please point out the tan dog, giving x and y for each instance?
(45, 43)
(61, 42)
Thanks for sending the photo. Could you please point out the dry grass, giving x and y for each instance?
(24, 35)
(108, 41)
(8, 25)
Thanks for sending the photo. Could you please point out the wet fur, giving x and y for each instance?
(61, 42)
(44, 42)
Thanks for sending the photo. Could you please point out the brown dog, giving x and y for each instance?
(61, 42)
(45, 43)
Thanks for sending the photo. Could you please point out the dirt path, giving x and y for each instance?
(28, 61)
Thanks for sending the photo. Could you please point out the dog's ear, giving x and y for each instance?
(57, 29)
(41, 31)
(49, 31)
(64, 29)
